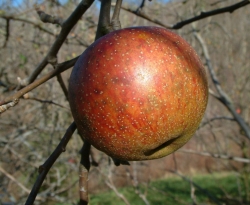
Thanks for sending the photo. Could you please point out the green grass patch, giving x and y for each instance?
(211, 189)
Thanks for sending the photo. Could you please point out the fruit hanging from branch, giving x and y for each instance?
(138, 93)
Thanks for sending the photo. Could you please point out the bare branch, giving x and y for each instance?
(206, 14)
(219, 156)
(44, 169)
(140, 13)
(104, 19)
(208, 194)
(26, 97)
(8, 105)
(202, 15)
(12, 178)
(141, 5)
(111, 185)
(67, 25)
(63, 86)
(216, 118)
(115, 22)
(12, 100)
(223, 97)
(37, 25)
(7, 33)
(46, 18)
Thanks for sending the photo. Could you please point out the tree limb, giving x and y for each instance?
(67, 25)
(206, 14)
(223, 97)
(46, 18)
(104, 26)
(202, 15)
(12, 100)
(219, 156)
(115, 22)
(44, 169)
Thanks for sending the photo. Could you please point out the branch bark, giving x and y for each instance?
(13, 99)
(223, 97)
(104, 19)
(206, 14)
(67, 25)
(44, 169)
(219, 156)
(202, 15)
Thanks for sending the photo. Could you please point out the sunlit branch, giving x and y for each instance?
(12, 100)
(218, 156)
(223, 97)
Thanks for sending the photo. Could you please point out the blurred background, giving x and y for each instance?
(212, 168)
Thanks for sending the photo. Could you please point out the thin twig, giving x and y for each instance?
(216, 118)
(141, 5)
(37, 25)
(12, 178)
(219, 156)
(12, 100)
(63, 86)
(206, 14)
(46, 18)
(223, 97)
(202, 15)
(141, 14)
(45, 101)
(44, 169)
(208, 194)
(7, 33)
(109, 182)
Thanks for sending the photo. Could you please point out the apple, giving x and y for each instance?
(138, 93)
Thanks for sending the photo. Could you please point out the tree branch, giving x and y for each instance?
(63, 86)
(208, 194)
(46, 18)
(202, 15)
(44, 169)
(223, 97)
(141, 14)
(67, 25)
(115, 22)
(206, 14)
(104, 19)
(7, 33)
(12, 100)
(219, 156)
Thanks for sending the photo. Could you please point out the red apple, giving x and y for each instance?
(138, 93)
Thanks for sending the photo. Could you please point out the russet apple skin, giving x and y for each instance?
(138, 93)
